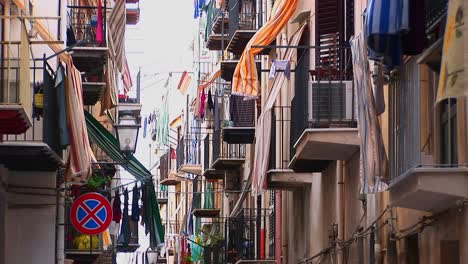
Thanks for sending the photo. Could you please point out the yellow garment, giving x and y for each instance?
(245, 80)
(83, 242)
(452, 72)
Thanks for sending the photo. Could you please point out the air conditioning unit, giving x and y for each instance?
(331, 101)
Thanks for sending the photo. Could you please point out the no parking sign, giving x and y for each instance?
(91, 214)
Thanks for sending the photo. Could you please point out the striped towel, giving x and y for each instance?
(245, 80)
(117, 34)
(81, 155)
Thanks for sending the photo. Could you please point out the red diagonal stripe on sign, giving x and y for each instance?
(91, 213)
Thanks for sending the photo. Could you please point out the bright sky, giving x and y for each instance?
(159, 43)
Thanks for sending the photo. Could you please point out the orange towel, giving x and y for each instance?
(245, 80)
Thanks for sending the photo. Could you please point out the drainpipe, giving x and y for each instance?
(278, 227)
(59, 225)
(340, 205)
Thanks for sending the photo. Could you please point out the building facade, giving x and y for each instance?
(345, 157)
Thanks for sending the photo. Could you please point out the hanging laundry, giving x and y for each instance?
(210, 100)
(202, 104)
(145, 126)
(452, 81)
(64, 131)
(116, 210)
(99, 33)
(284, 65)
(125, 233)
(135, 206)
(242, 112)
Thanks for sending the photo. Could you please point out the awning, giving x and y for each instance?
(245, 80)
(109, 144)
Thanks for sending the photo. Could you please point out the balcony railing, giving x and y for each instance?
(180, 153)
(244, 235)
(226, 151)
(327, 100)
(243, 16)
(45, 124)
(435, 11)
(84, 23)
(279, 141)
(164, 166)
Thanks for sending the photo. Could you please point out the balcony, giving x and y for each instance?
(279, 176)
(241, 127)
(228, 67)
(217, 28)
(208, 172)
(431, 181)
(323, 110)
(430, 188)
(38, 148)
(212, 200)
(15, 97)
(244, 236)
(162, 194)
(244, 22)
(89, 56)
(187, 156)
(227, 156)
(168, 174)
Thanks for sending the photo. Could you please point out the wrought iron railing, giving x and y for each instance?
(324, 91)
(243, 16)
(223, 150)
(83, 21)
(164, 166)
(279, 141)
(212, 16)
(180, 153)
(435, 10)
(206, 152)
(45, 121)
(244, 235)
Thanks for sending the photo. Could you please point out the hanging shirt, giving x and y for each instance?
(210, 101)
(125, 232)
(202, 104)
(284, 65)
(135, 206)
(145, 126)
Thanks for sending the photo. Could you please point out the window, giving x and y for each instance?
(448, 132)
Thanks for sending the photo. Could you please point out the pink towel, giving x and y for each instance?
(202, 104)
(99, 37)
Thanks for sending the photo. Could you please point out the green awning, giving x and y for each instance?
(109, 144)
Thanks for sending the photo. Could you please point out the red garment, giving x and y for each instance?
(116, 210)
(99, 37)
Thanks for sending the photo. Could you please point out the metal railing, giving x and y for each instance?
(244, 235)
(180, 153)
(44, 126)
(243, 15)
(279, 141)
(164, 165)
(324, 95)
(435, 10)
(206, 152)
(223, 150)
(84, 23)
(213, 14)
